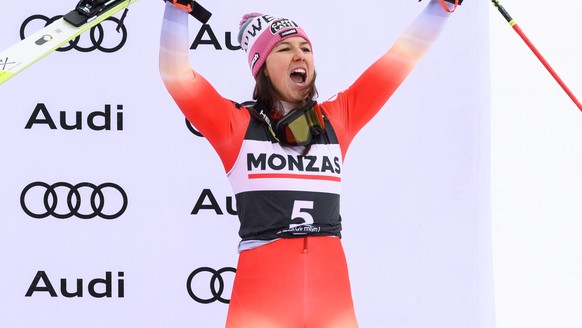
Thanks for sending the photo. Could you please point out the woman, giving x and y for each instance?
(283, 154)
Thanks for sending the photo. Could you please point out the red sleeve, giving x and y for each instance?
(219, 120)
(350, 110)
(353, 108)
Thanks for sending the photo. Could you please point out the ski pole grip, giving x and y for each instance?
(200, 13)
(193, 8)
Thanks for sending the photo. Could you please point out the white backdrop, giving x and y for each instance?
(535, 167)
(416, 183)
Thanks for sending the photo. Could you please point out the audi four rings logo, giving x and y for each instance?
(96, 35)
(63, 200)
(198, 282)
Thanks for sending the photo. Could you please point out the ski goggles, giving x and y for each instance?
(299, 126)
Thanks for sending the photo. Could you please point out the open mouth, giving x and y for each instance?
(299, 75)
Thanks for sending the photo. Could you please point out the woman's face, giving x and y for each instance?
(290, 67)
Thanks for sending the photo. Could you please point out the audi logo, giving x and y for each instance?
(96, 35)
(63, 200)
(198, 281)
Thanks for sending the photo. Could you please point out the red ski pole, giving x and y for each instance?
(513, 24)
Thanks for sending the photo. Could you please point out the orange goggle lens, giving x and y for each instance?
(299, 126)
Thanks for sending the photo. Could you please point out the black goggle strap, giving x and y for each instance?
(268, 121)
(261, 111)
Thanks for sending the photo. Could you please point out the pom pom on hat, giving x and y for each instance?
(259, 34)
(247, 18)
